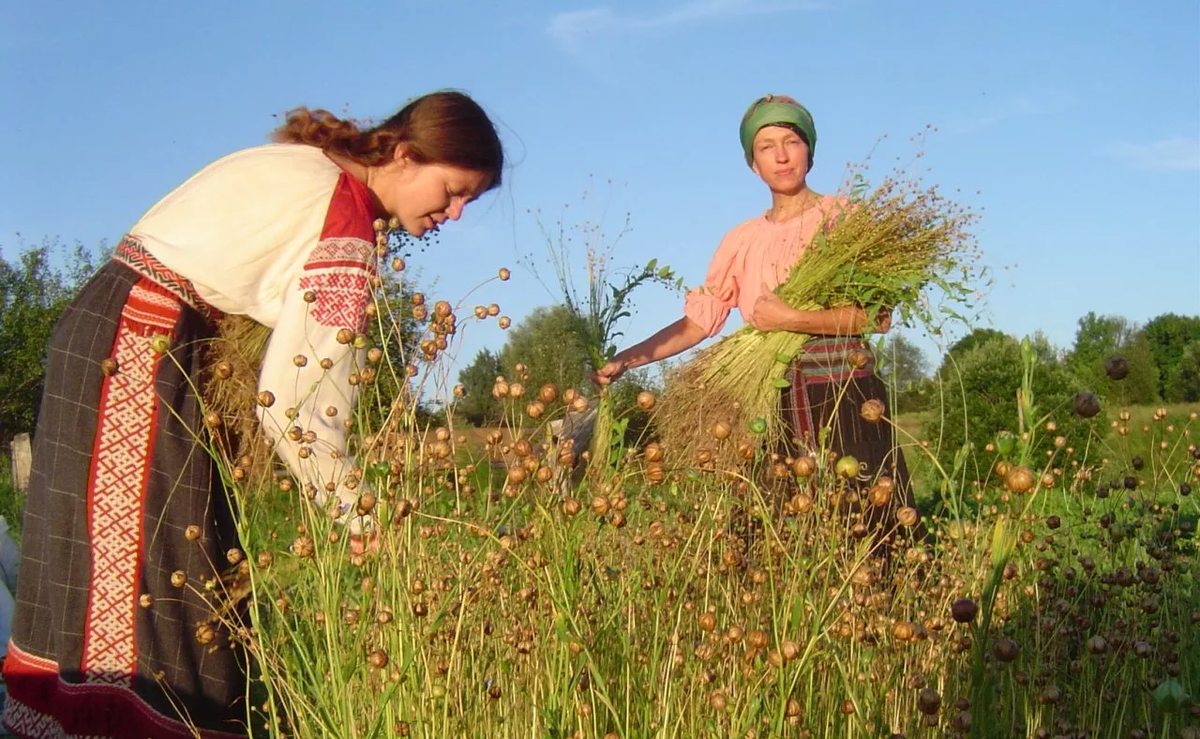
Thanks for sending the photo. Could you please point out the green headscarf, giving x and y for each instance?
(772, 111)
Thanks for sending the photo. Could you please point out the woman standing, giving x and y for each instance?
(127, 518)
(834, 375)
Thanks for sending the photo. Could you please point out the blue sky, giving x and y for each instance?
(1074, 128)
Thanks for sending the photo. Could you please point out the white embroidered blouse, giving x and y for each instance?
(283, 235)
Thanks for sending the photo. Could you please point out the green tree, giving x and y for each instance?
(1101, 337)
(477, 405)
(978, 393)
(1169, 335)
(975, 338)
(33, 294)
(1184, 385)
(1097, 338)
(550, 344)
(903, 365)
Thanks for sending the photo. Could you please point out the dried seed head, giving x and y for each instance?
(718, 701)
(802, 503)
(790, 650)
(872, 410)
(964, 610)
(928, 701)
(1005, 650)
(303, 547)
(378, 659)
(804, 466)
(908, 516)
(1019, 479)
(205, 633)
(178, 578)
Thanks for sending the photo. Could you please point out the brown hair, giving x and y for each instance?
(439, 128)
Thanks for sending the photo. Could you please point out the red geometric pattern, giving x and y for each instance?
(120, 465)
(340, 267)
(132, 254)
(341, 299)
(341, 251)
(51, 708)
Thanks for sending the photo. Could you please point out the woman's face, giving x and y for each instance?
(780, 159)
(424, 196)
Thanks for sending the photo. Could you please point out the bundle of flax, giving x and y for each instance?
(230, 389)
(881, 251)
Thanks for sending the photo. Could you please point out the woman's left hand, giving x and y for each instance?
(772, 314)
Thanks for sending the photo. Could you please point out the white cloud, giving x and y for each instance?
(1017, 107)
(571, 30)
(1176, 154)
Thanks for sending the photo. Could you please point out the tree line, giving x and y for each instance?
(982, 368)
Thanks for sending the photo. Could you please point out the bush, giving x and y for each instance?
(976, 396)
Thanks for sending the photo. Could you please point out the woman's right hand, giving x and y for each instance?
(610, 372)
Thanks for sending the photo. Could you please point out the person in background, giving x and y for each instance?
(835, 373)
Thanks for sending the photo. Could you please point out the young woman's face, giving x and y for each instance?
(780, 159)
(424, 196)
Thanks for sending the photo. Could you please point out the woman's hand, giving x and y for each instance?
(609, 373)
(883, 321)
(770, 313)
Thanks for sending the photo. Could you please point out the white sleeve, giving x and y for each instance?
(308, 366)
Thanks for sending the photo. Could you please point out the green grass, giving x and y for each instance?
(1118, 449)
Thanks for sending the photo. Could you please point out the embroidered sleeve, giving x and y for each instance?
(309, 363)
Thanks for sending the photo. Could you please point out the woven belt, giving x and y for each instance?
(134, 255)
(834, 359)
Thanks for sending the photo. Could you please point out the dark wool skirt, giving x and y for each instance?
(125, 522)
(830, 381)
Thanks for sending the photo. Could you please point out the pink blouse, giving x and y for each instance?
(752, 259)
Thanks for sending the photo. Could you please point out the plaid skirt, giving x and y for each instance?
(127, 526)
(831, 379)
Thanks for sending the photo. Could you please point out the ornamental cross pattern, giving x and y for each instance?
(120, 465)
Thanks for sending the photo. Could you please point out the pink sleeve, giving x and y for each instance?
(708, 305)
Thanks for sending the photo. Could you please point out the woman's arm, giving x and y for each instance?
(678, 337)
(772, 314)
